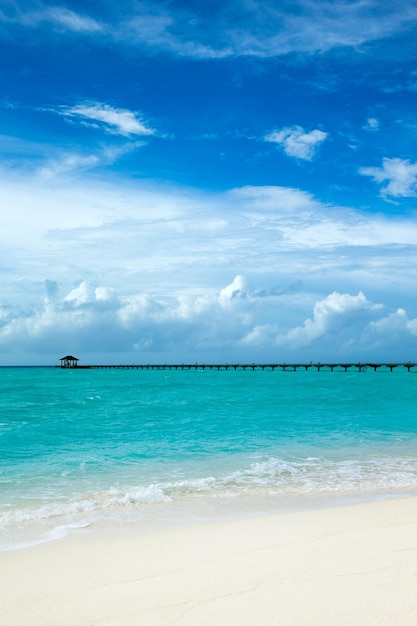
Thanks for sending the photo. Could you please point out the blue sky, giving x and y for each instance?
(208, 181)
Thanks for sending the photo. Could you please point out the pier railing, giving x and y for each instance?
(284, 367)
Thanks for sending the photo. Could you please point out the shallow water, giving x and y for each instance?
(108, 446)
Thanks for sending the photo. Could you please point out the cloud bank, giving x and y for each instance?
(139, 272)
(188, 327)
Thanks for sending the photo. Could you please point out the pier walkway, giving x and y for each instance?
(284, 367)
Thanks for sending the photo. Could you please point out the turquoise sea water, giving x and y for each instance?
(90, 447)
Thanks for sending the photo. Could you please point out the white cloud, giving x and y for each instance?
(296, 142)
(399, 174)
(372, 124)
(160, 266)
(86, 294)
(393, 324)
(261, 335)
(70, 20)
(329, 315)
(38, 14)
(92, 315)
(276, 199)
(114, 121)
(265, 29)
(236, 290)
(235, 28)
(62, 164)
(62, 228)
(94, 319)
(68, 163)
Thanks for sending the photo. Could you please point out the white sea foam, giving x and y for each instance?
(55, 533)
(318, 475)
(91, 502)
(271, 476)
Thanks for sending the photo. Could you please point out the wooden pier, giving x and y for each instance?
(283, 367)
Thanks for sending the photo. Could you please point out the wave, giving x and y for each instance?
(267, 477)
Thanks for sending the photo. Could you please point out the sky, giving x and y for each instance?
(189, 181)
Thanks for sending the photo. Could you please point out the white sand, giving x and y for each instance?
(353, 565)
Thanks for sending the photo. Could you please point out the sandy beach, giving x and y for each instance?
(354, 565)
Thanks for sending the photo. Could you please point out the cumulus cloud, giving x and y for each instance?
(236, 290)
(87, 295)
(261, 335)
(94, 315)
(399, 176)
(393, 324)
(95, 318)
(89, 315)
(111, 120)
(296, 142)
(329, 315)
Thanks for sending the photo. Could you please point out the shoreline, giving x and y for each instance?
(347, 565)
(164, 515)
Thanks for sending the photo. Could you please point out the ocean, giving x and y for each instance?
(94, 448)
